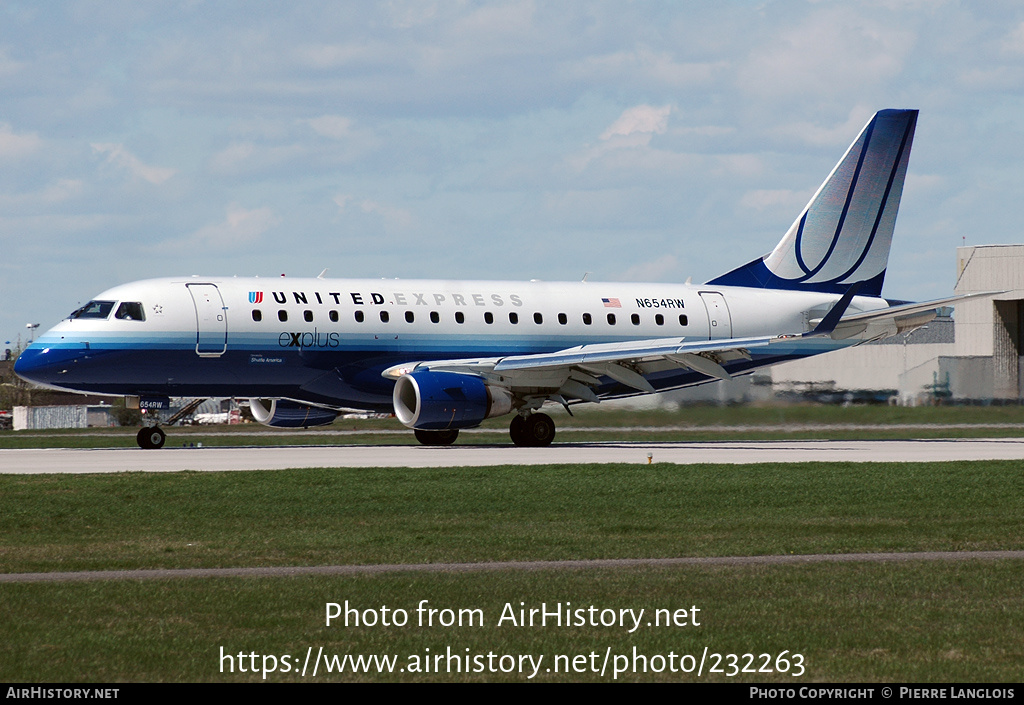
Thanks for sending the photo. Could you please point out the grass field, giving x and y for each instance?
(591, 423)
(864, 622)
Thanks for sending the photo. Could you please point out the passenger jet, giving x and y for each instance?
(444, 355)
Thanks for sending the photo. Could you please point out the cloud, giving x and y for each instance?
(392, 217)
(8, 66)
(60, 191)
(333, 126)
(833, 51)
(626, 138)
(654, 270)
(776, 199)
(14, 146)
(239, 228)
(645, 119)
(810, 133)
(1013, 43)
(249, 158)
(644, 66)
(117, 155)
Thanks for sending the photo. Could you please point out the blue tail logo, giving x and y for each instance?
(843, 235)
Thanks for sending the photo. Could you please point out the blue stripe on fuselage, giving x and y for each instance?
(256, 366)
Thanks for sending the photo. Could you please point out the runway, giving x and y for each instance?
(62, 460)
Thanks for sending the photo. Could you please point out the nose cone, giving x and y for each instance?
(46, 366)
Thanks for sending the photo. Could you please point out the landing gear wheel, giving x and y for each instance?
(151, 438)
(535, 430)
(436, 438)
(517, 430)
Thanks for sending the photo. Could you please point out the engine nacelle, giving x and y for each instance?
(435, 401)
(289, 414)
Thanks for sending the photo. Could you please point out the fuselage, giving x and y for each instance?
(327, 341)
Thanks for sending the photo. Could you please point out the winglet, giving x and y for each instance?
(831, 319)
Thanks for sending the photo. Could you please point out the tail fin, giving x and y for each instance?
(843, 235)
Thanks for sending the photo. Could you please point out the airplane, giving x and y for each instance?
(444, 355)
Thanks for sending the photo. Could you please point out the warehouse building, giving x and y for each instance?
(975, 356)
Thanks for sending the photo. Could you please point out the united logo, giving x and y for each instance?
(255, 297)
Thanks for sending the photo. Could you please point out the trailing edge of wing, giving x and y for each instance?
(906, 309)
(625, 352)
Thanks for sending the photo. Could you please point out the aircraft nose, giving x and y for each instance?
(45, 365)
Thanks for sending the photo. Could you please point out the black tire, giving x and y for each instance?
(517, 430)
(539, 430)
(436, 438)
(151, 438)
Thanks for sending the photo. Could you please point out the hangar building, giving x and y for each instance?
(974, 356)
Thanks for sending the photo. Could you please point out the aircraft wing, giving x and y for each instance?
(904, 316)
(573, 371)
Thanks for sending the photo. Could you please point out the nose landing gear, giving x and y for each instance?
(151, 437)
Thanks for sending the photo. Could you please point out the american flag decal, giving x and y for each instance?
(612, 303)
(255, 297)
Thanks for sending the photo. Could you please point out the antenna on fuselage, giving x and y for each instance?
(585, 275)
(321, 274)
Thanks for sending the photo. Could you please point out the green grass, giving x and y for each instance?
(692, 423)
(329, 516)
(917, 622)
(905, 622)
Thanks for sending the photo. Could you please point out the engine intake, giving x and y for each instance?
(282, 413)
(434, 401)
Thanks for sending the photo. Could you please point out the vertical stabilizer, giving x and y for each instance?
(843, 235)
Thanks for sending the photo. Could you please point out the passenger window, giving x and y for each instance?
(513, 317)
(333, 315)
(488, 317)
(409, 317)
(257, 315)
(282, 316)
(611, 319)
(635, 318)
(434, 317)
(384, 317)
(359, 317)
(308, 315)
(659, 319)
(563, 319)
(538, 318)
(460, 317)
(682, 320)
(130, 311)
(587, 319)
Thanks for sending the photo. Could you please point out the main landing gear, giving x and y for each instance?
(534, 430)
(151, 437)
(436, 438)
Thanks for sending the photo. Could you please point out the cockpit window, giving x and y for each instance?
(94, 309)
(130, 311)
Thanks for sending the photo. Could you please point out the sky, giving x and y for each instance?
(514, 140)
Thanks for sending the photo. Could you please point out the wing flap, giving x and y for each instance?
(633, 351)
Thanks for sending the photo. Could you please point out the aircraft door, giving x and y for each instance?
(719, 320)
(211, 320)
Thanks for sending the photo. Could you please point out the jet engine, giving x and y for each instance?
(282, 413)
(447, 400)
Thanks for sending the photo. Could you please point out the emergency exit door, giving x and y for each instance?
(719, 320)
